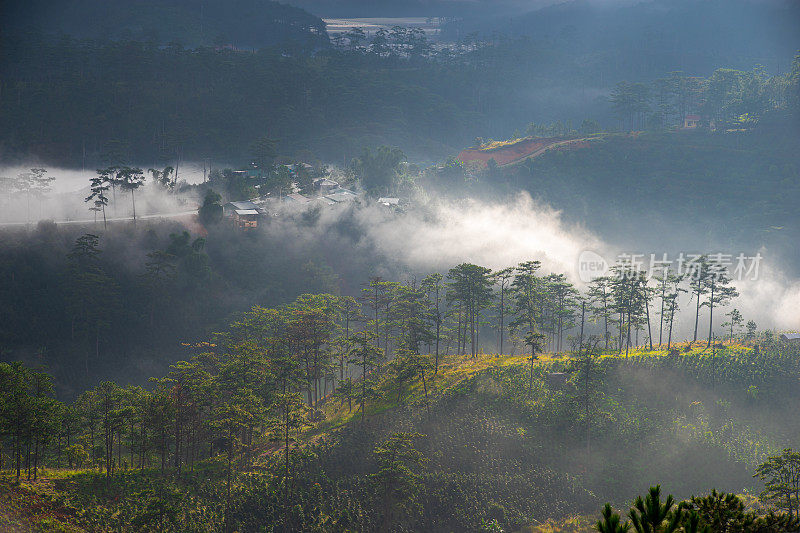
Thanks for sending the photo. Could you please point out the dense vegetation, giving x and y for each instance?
(245, 24)
(293, 416)
(264, 427)
(189, 374)
(91, 298)
(121, 303)
(80, 102)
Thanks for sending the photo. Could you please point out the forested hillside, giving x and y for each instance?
(243, 24)
(635, 40)
(228, 440)
(514, 270)
(745, 182)
(84, 102)
(75, 101)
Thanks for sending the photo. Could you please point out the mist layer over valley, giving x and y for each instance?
(400, 266)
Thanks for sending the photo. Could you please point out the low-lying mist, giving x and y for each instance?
(433, 234)
(63, 201)
(497, 234)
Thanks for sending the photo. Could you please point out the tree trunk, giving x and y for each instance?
(671, 318)
(363, 391)
(661, 316)
(425, 389)
(35, 458)
(649, 331)
(605, 318)
(18, 449)
(710, 315)
(438, 331)
(696, 316)
(502, 308)
(530, 381)
(583, 314)
(133, 201)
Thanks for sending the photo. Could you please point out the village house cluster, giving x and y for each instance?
(246, 214)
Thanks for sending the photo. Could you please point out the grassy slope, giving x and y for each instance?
(38, 506)
(455, 370)
(695, 421)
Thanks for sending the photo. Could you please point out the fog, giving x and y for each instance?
(76, 180)
(64, 202)
(434, 235)
(444, 233)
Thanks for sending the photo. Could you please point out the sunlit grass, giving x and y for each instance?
(34, 506)
(455, 369)
(493, 145)
(573, 524)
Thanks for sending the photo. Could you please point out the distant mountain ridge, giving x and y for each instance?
(417, 8)
(241, 23)
(642, 37)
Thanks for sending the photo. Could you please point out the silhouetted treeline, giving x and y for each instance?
(93, 306)
(113, 304)
(244, 24)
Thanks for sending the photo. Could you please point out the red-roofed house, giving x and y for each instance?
(691, 121)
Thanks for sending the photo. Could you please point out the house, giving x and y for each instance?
(231, 207)
(248, 173)
(793, 338)
(691, 122)
(294, 168)
(325, 185)
(389, 202)
(244, 215)
(296, 198)
(324, 201)
(342, 195)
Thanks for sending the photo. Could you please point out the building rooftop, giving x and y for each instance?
(325, 201)
(296, 197)
(342, 195)
(246, 205)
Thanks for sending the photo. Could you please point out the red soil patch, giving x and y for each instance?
(512, 153)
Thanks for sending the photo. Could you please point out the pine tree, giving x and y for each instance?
(719, 292)
(650, 515)
(526, 290)
(781, 477)
(396, 478)
(364, 355)
(471, 286)
(610, 522)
